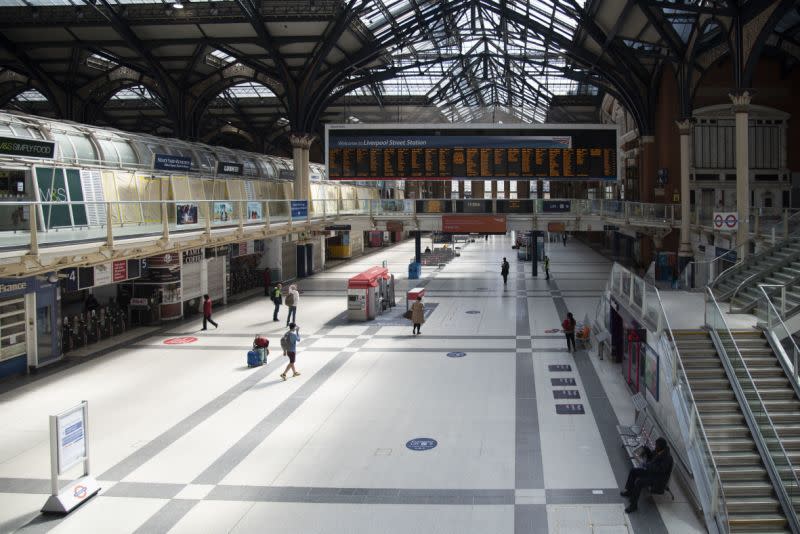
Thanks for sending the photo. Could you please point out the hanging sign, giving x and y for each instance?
(726, 221)
(102, 274)
(556, 206)
(27, 148)
(119, 270)
(168, 162)
(299, 208)
(224, 167)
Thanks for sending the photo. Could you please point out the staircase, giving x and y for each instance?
(778, 265)
(751, 502)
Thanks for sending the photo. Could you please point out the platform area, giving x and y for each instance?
(185, 438)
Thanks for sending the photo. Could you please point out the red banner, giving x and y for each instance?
(120, 271)
(471, 224)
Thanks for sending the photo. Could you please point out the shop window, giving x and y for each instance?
(12, 328)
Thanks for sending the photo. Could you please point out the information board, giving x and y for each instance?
(478, 152)
(71, 438)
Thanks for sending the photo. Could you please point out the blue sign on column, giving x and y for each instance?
(299, 208)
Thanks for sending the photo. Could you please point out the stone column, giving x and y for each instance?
(685, 129)
(300, 146)
(741, 102)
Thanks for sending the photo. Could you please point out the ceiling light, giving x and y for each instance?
(177, 5)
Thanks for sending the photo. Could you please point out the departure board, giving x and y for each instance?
(464, 152)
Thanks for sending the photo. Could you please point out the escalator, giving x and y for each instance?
(779, 397)
(752, 503)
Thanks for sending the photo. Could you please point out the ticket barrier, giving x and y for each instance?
(370, 294)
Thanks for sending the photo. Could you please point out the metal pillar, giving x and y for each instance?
(685, 248)
(418, 246)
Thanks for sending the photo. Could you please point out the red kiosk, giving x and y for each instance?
(369, 293)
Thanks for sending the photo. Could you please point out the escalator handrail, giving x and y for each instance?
(777, 482)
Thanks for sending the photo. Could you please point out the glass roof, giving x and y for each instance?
(247, 90)
(470, 58)
(17, 3)
(135, 92)
(31, 95)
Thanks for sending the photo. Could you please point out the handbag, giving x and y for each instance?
(407, 314)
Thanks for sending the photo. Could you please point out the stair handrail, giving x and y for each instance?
(780, 331)
(762, 272)
(717, 504)
(778, 483)
(749, 259)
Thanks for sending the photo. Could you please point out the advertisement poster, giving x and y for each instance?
(255, 211)
(102, 274)
(120, 270)
(651, 372)
(186, 213)
(71, 438)
(223, 211)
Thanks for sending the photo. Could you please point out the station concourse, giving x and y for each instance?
(363, 166)
(191, 440)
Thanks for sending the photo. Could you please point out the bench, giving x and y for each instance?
(641, 434)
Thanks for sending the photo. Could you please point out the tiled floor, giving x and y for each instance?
(187, 439)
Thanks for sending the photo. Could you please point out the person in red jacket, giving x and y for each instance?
(207, 312)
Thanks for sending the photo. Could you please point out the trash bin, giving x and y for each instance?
(414, 270)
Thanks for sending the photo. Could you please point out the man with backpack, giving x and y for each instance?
(277, 299)
(547, 267)
(289, 346)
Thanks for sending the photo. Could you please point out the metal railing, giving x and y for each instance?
(647, 299)
(29, 224)
(782, 337)
(773, 454)
(789, 227)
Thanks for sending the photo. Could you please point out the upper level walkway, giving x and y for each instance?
(66, 234)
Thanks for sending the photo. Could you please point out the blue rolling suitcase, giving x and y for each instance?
(254, 358)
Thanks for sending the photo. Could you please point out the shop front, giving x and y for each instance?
(29, 324)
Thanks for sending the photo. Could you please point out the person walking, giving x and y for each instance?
(277, 299)
(654, 473)
(547, 267)
(564, 238)
(293, 336)
(504, 268)
(569, 330)
(292, 300)
(417, 316)
(207, 313)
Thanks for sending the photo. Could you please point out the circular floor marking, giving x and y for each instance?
(472, 312)
(421, 444)
(180, 340)
(552, 330)
(456, 354)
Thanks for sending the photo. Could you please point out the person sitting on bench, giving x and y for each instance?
(654, 474)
